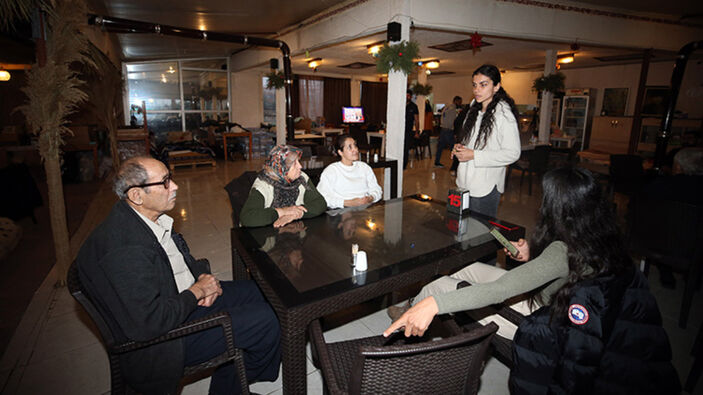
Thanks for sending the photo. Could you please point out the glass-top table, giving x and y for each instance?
(305, 269)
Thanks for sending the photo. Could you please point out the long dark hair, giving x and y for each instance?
(574, 210)
(486, 128)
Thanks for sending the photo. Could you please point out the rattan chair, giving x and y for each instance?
(537, 163)
(669, 233)
(502, 348)
(114, 349)
(378, 365)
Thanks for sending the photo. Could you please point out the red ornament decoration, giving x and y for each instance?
(400, 54)
(476, 42)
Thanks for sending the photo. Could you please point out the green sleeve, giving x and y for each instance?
(550, 265)
(254, 213)
(313, 201)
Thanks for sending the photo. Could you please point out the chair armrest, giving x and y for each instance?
(220, 319)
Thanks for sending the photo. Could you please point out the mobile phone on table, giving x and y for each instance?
(502, 240)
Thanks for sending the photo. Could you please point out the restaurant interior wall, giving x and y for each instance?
(247, 98)
(519, 84)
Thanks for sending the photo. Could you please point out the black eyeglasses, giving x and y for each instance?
(166, 183)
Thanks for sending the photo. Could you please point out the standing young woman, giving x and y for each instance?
(349, 182)
(488, 141)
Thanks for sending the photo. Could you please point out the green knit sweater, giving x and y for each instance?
(257, 210)
(550, 267)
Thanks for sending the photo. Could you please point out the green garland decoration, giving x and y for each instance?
(276, 80)
(398, 57)
(551, 83)
(420, 89)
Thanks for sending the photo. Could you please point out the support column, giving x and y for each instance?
(637, 118)
(421, 79)
(395, 112)
(545, 111)
(281, 129)
(355, 92)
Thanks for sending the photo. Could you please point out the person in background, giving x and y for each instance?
(446, 134)
(592, 325)
(282, 192)
(488, 141)
(412, 126)
(348, 182)
(140, 272)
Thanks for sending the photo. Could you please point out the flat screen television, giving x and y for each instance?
(352, 115)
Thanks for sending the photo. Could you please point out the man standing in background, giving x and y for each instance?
(412, 125)
(446, 135)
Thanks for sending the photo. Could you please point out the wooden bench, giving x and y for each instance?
(189, 158)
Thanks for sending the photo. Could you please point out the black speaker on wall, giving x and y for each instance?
(393, 31)
(273, 62)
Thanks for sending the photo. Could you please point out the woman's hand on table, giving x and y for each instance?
(284, 220)
(416, 320)
(523, 250)
(462, 153)
(358, 201)
(295, 211)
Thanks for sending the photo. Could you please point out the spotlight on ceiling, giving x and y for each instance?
(375, 48)
(314, 63)
(432, 64)
(4, 75)
(566, 58)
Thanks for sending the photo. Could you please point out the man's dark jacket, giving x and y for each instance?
(128, 275)
(621, 348)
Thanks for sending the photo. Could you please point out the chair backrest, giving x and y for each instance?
(238, 192)
(539, 158)
(447, 366)
(75, 287)
(665, 229)
(360, 136)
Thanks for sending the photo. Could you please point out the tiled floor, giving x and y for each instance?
(55, 349)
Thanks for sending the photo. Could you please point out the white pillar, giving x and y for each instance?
(281, 130)
(421, 79)
(355, 92)
(545, 111)
(395, 112)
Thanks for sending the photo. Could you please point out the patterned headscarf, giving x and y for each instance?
(280, 160)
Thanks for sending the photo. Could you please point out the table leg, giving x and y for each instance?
(394, 180)
(224, 145)
(250, 149)
(293, 358)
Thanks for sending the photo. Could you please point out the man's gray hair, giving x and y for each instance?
(690, 160)
(130, 173)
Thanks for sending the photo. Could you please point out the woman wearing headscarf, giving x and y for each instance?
(282, 192)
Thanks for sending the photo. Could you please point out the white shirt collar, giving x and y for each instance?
(161, 228)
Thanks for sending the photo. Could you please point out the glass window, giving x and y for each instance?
(216, 64)
(269, 103)
(195, 121)
(205, 90)
(156, 84)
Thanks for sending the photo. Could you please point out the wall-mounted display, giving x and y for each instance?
(614, 102)
(655, 101)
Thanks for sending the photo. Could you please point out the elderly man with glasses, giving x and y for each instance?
(141, 273)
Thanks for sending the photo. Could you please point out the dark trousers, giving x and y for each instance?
(486, 205)
(256, 332)
(446, 140)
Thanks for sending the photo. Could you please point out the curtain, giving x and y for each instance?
(374, 97)
(337, 95)
(295, 97)
(311, 96)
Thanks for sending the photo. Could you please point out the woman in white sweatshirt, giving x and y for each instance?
(349, 182)
(488, 141)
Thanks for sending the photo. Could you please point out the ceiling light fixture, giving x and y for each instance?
(432, 64)
(4, 75)
(566, 58)
(170, 70)
(163, 78)
(375, 48)
(314, 63)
